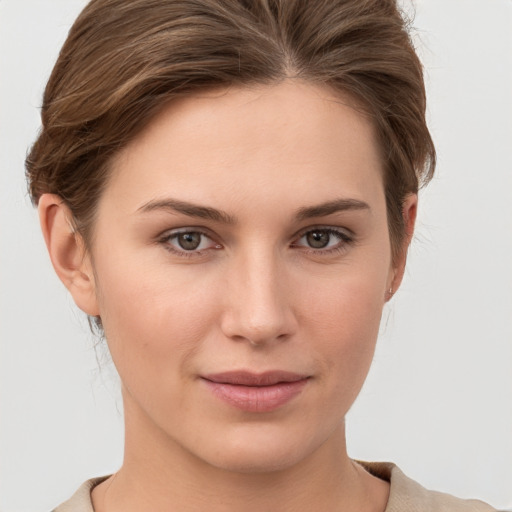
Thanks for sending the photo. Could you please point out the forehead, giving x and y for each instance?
(292, 136)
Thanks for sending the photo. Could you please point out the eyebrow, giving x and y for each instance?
(190, 209)
(206, 212)
(330, 207)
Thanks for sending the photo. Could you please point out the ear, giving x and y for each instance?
(409, 212)
(67, 252)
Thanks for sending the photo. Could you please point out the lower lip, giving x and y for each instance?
(257, 398)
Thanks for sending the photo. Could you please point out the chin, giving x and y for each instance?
(257, 449)
(257, 460)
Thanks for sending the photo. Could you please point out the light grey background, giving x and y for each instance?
(438, 400)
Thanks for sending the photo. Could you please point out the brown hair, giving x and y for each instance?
(124, 59)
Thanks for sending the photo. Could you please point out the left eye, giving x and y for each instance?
(189, 241)
(323, 238)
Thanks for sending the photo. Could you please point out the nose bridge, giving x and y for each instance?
(259, 308)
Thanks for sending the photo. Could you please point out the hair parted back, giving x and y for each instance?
(124, 60)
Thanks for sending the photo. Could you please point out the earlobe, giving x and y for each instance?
(67, 252)
(409, 212)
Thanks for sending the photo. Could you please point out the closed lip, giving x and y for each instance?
(256, 392)
(248, 378)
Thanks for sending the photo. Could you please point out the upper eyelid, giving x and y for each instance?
(168, 233)
(336, 229)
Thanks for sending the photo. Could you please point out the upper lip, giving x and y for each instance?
(247, 378)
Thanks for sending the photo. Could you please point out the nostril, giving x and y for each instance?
(257, 307)
(256, 335)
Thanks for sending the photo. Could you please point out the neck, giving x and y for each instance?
(160, 475)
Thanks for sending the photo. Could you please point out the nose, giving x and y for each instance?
(258, 306)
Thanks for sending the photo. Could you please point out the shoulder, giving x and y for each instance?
(406, 495)
(81, 500)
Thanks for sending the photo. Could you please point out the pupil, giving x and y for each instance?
(318, 239)
(189, 241)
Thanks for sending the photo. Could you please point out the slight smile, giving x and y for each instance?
(256, 392)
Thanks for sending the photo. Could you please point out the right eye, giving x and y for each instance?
(188, 242)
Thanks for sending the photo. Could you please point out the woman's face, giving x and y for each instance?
(241, 262)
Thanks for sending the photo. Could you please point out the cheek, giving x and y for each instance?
(344, 319)
(151, 318)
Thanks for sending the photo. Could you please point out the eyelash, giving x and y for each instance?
(345, 240)
(167, 237)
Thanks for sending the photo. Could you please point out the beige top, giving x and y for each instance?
(405, 495)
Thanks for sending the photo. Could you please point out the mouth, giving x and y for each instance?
(256, 392)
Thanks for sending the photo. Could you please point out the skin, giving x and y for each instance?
(254, 296)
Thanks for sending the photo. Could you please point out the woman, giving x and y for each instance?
(229, 190)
